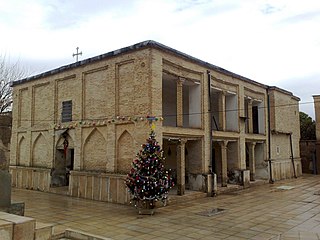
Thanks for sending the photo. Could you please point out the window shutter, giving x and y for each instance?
(66, 111)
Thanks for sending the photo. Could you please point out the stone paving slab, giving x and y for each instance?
(268, 211)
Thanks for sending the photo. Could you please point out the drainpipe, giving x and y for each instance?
(212, 182)
(292, 159)
(210, 118)
(269, 138)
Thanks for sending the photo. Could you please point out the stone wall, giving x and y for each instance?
(308, 156)
(285, 132)
(99, 186)
(5, 127)
(316, 99)
(5, 136)
(31, 178)
(99, 92)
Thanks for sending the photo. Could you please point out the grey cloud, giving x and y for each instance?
(304, 88)
(302, 17)
(269, 9)
(208, 6)
(63, 14)
(186, 4)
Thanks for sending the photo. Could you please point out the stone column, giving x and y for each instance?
(224, 163)
(180, 102)
(222, 111)
(250, 122)
(181, 167)
(252, 160)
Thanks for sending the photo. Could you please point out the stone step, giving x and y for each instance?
(22, 227)
(233, 188)
(60, 190)
(43, 231)
(188, 196)
(78, 235)
(6, 230)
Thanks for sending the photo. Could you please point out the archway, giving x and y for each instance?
(64, 161)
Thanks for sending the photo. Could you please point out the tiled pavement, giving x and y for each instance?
(260, 212)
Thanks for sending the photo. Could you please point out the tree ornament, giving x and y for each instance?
(148, 181)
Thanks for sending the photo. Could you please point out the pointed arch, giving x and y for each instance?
(60, 141)
(125, 152)
(95, 152)
(23, 153)
(40, 156)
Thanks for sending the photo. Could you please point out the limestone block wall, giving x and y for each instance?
(284, 121)
(99, 186)
(4, 156)
(316, 99)
(285, 116)
(5, 127)
(99, 92)
(5, 135)
(30, 178)
(283, 169)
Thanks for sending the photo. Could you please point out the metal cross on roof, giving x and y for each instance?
(77, 54)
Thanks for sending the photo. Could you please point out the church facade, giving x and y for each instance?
(80, 125)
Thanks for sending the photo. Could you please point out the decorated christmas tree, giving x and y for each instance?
(148, 181)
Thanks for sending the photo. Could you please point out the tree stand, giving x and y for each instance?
(145, 207)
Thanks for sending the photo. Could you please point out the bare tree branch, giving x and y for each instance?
(8, 73)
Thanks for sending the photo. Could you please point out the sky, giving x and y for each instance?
(274, 42)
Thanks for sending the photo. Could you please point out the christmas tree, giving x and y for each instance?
(148, 181)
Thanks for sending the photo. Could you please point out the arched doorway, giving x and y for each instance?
(64, 161)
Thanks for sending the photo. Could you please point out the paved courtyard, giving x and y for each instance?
(288, 209)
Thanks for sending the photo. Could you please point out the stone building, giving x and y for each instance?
(316, 100)
(90, 117)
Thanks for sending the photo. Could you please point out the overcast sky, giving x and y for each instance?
(275, 42)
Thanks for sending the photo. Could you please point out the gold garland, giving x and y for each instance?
(107, 121)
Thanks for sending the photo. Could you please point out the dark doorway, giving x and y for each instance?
(255, 119)
(64, 163)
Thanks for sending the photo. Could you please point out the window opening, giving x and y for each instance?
(66, 115)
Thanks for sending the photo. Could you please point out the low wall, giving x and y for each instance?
(90, 185)
(283, 169)
(30, 178)
(308, 156)
(197, 182)
(99, 186)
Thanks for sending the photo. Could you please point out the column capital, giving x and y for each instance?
(182, 141)
(181, 80)
(223, 144)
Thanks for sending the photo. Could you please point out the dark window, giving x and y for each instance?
(255, 119)
(66, 115)
(246, 111)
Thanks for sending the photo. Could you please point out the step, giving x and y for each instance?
(79, 235)
(188, 196)
(6, 230)
(23, 227)
(43, 231)
(64, 190)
